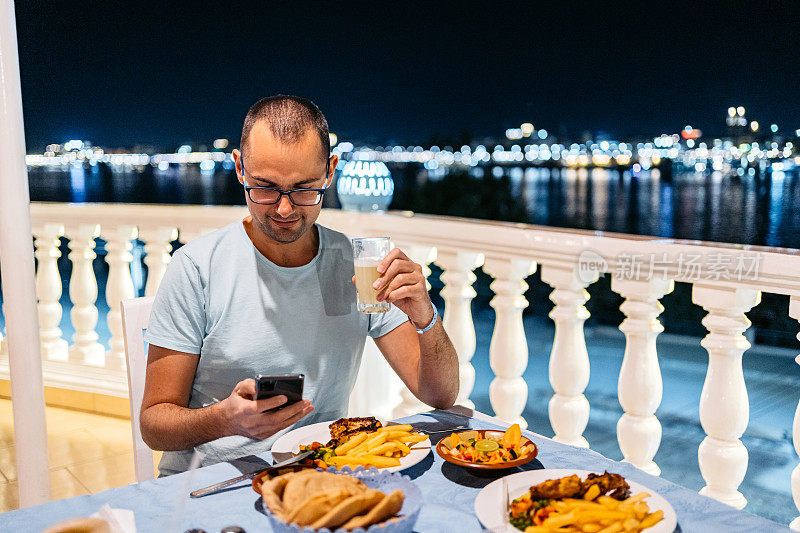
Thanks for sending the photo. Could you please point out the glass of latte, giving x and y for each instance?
(367, 254)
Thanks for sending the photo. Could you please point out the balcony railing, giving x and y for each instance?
(727, 282)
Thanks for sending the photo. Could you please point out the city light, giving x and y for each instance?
(731, 112)
(542, 134)
(774, 128)
(740, 111)
(220, 144)
(333, 139)
(754, 126)
(527, 129)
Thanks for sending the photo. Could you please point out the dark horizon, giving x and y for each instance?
(121, 74)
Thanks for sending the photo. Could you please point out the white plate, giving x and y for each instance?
(320, 432)
(489, 503)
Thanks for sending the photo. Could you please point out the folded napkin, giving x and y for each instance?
(119, 520)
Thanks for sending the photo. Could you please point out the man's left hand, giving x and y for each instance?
(403, 284)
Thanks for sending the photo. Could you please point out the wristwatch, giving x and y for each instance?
(429, 326)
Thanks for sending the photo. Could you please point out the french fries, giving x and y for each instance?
(603, 515)
(382, 448)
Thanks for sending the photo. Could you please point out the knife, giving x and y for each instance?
(223, 484)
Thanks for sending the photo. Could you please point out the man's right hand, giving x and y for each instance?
(245, 416)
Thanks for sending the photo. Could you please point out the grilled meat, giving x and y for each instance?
(554, 489)
(612, 485)
(608, 483)
(344, 428)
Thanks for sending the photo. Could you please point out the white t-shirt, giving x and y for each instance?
(222, 299)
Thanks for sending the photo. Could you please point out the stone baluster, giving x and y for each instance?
(157, 247)
(48, 291)
(724, 407)
(119, 287)
(508, 351)
(640, 385)
(794, 312)
(83, 293)
(409, 404)
(458, 294)
(569, 361)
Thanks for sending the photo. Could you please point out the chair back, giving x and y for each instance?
(135, 314)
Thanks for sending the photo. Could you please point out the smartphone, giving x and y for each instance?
(290, 386)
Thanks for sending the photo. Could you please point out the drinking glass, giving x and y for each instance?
(367, 254)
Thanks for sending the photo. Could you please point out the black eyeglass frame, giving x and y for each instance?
(281, 193)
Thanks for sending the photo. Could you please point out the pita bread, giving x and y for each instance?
(352, 506)
(316, 506)
(310, 482)
(390, 505)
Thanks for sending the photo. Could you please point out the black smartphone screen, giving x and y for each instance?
(290, 386)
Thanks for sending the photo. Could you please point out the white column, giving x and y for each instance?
(157, 247)
(409, 404)
(119, 287)
(83, 293)
(508, 351)
(19, 288)
(794, 312)
(724, 407)
(48, 289)
(569, 361)
(640, 385)
(458, 294)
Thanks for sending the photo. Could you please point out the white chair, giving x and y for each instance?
(135, 314)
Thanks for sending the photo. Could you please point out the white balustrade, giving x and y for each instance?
(512, 252)
(424, 255)
(640, 385)
(724, 407)
(508, 351)
(569, 360)
(118, 287)
(794, 312)
(157, 247)
(48, 291)
(83, 293)
(458, 293)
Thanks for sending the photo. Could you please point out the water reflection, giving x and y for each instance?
(751, 208)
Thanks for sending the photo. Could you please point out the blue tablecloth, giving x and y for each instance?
(448, 492)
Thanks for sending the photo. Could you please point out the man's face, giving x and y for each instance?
(270, 163)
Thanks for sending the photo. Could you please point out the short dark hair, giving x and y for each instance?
(288, 117)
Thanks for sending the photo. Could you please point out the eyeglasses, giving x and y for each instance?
(298, 197)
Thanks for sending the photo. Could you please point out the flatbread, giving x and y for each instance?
(310, 482)
(352, 506)
(316, 506)
(390, 505)
(272, 490)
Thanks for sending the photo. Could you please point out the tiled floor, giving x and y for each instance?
(87, 453)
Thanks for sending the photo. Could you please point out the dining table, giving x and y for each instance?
(448, 491)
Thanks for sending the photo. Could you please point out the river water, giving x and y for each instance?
(753, 209)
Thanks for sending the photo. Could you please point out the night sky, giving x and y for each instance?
(121, 73)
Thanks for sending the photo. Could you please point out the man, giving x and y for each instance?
(273, 294)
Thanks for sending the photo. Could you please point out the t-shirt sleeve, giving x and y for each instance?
(382, 323)
(178, 319)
